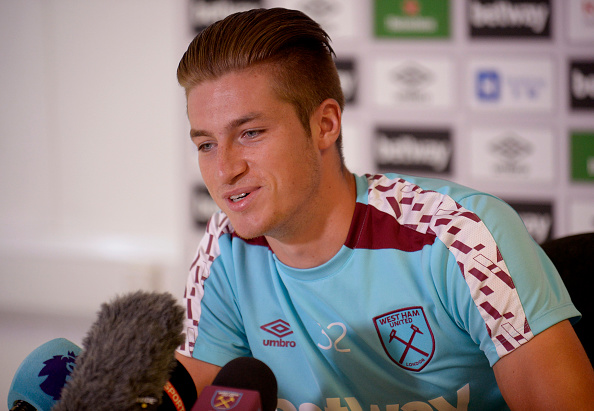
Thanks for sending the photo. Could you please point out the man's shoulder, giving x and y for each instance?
(387, 190)
(391, 184)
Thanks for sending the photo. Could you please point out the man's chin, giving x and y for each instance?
(246, 233)
(246, 236)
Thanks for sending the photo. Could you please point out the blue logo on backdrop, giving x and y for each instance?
(526, 87)
(488, 85)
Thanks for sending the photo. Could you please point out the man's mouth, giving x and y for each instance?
(238, 197)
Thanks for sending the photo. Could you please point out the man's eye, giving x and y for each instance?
(252, 133)
(205, 147)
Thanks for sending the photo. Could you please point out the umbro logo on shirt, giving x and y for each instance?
(279, 329)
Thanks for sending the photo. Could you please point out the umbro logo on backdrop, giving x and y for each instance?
(279, 329)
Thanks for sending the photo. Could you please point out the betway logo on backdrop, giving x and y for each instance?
(505, 18)
(537, 217)
(523, 155)
(581, 83)
(413, 150)
(517, 84)
(413, 83)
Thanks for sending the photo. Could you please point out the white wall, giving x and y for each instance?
(92, 186)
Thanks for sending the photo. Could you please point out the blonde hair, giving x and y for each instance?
(292, 45)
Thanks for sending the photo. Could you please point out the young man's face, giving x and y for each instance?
(256, 159)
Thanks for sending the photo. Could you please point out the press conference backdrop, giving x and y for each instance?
(494, 94)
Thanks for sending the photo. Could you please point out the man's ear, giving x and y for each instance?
(325, 123)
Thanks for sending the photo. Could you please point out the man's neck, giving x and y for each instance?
(327, 231)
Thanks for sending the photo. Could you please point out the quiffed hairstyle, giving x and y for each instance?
(293, 46)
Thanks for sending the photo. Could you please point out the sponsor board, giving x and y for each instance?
(347, 71)
(517, 84)
(202, 206)
(413, 83)
(537, 217)
(413, 150)
(356, 148)
(203, 13)
(581, 20)
(581, 216)
(581, 84)
(412, 18)
(582, 156)
(505, 18)
(337, 17)
(518, 155)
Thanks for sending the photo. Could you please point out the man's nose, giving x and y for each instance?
(231, 163)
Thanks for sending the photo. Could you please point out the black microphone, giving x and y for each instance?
(244, 384)
(128, 355)
(39, 380)
(179, 392)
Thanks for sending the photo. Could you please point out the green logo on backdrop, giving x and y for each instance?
(582, 156)
(412, 18)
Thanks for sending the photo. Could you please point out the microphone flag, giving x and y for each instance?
(43, 373)
(216, 398)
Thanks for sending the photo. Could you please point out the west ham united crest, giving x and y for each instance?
(223, 400)
(406, 337)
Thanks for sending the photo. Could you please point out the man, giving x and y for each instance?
(379, 292)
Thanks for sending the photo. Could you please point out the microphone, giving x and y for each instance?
(38, 382)
(180, 391)
(244, 384)
(128, 355)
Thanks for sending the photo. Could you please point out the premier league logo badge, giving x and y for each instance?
(406, 337)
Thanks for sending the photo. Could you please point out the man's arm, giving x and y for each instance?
(202, 373)
(552, 372)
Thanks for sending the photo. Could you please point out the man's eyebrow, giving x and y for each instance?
(242, 120)
(232, 124)
(198, 133)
